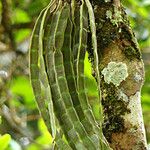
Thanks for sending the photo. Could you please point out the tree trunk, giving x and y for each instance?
(122, 76)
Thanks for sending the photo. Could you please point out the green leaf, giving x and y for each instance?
(4, 141)
(20, 86)
(20, 16)
(90, 82)
(44, 140)
(21, 34)
(45, 137)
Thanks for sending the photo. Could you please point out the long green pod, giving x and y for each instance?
(60, 144)
(43, 37)
(61, 79)
(59, 108)
(80, 16)
(43, 76)
(37, 78)
(78, 43)
(34, 70)
(70, 77)
(65, 95)
(103, 142)
(75, 35)
(80, 66)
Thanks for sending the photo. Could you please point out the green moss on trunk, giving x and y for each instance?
(113, 108)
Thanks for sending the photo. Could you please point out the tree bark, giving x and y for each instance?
(122, 75)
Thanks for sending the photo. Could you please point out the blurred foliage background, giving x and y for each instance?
(20, 124)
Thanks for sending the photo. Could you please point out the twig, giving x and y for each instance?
(6, 21)
(23, 25)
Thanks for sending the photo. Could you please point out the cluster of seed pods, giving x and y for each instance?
(57, 53)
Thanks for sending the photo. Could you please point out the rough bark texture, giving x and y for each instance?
(122, 75)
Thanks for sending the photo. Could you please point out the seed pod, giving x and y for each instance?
(70, 75)
(43, 76)
(75, 35)
(60, 109)
(35, 73)
(39, 77)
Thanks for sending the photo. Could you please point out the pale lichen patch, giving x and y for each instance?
(114, 17)
(122, 96)
(108, 14)
(137, 77)
(115, 73)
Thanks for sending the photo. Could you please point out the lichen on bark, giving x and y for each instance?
(115, 73)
